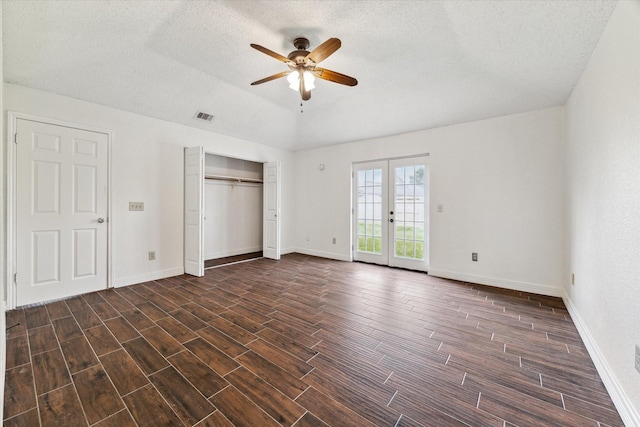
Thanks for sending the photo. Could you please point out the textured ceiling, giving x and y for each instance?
(419, 64)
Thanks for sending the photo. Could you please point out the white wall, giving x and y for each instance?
(603, 206)
(233, 218)
(147, 166)
(500, 182)
(232, 211)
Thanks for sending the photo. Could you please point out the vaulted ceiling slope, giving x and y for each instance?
(419, 64)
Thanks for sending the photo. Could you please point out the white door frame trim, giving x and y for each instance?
(11, 176)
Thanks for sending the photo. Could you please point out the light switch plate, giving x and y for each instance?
(136, 206)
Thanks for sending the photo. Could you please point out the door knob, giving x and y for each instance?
(100, 220)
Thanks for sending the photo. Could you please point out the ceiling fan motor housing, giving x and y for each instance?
(301, 43)
(298, 56)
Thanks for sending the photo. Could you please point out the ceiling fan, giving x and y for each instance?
(303, 66)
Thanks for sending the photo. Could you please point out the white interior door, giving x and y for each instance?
(391, 212)
(194, 211)
(271, 226)
(61, 211)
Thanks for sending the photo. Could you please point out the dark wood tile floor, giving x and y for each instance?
(301, 342)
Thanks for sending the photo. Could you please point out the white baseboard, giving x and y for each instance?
(147, 277)
(534, 288)
(629, 414)
(321, 254)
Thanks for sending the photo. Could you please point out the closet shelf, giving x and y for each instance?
(232, 179)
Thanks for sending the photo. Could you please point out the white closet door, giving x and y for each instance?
(271, 227)
(194, 211)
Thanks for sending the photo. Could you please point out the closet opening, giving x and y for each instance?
(233, 198)
(231, 208)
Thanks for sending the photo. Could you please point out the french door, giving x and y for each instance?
(391, 215)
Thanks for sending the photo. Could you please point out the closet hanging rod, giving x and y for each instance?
(233, 179)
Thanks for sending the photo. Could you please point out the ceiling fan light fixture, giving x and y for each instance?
(308, 80)
(294, 80)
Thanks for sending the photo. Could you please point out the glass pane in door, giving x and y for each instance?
(369, 211)
(408, 208)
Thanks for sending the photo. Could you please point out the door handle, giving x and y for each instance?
(100, 220)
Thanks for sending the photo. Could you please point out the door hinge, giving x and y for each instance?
(15, 138)
(15, 278)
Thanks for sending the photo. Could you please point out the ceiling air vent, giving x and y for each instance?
(204, 116)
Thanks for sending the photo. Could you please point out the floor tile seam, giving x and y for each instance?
(448, 414)
(348, 409)
(22, 413)
(599, 407)
(519, 391)
(150, 383)
(301, 416)
(278, 348)
(66, 363)
(358, 388)
(146, 301)
(251, 400)
(543, 403)
(101, 366)
(33, 377)
(75, 389)
(294, 374)
(125, 409)
(594, 376)
(185, 378)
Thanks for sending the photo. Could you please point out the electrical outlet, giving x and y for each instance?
(152, 255)
(136, 206)
(638, 359)
(474, 256)
(334, 240)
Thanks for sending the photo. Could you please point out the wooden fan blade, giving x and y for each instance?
(335, 77)
(268, 79)
(271, 53)
(323, 51)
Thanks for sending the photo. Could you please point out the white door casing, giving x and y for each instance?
(61, 183)
(194, 211)
(271, 206)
